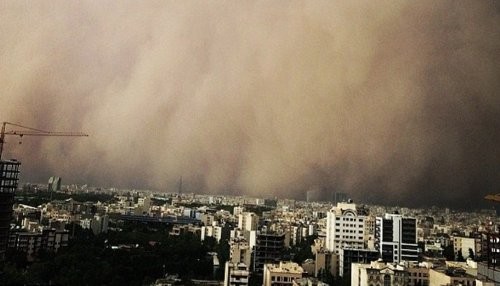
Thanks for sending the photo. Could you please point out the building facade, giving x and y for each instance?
(282, 274)
(9, 172)
(236, 274)
(268, 249)
(396, 238)
(345, 227)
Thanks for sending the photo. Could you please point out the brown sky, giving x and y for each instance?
(390, 101)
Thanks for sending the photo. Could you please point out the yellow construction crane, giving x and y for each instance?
(30, 131)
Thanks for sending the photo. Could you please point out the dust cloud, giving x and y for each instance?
(389, 101)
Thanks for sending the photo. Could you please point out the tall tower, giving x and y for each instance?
(396, 238)
(9, 172)
(345, 227)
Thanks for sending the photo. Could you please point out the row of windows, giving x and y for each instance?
(349, 225)
(348, 231)
(349, 219)
(279, 279)
(348, 237)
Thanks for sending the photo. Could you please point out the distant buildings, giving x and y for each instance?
(31, 243)
(54, 184)
(99, 224)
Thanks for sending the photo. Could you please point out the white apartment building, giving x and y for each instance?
(248, 221)
(211, 231)
(345, 227)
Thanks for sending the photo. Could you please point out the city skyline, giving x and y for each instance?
(393, 102)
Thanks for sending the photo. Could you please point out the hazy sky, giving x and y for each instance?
(389, 101)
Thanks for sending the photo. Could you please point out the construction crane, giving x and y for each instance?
(494, 198)
(30, 131)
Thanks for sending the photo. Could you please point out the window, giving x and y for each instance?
(387, 280)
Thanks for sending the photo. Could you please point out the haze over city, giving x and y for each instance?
(389, 101)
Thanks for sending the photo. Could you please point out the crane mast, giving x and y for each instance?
(30, 131)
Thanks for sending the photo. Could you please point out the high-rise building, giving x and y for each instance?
(240, 251)
(268, 249)
(54, 184)
(211, 231)
(345, 227)
(396, 238)
(248, 221)
(9, 172)
(99, 224)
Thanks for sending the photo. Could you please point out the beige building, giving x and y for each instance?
(463, 244)
(326, 262)
(378, 273)
(240, 251)
(418, 275)
(236, 274)
(450, 276)
(248, 221)
(283, 274)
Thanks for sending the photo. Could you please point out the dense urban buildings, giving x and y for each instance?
(292, 243)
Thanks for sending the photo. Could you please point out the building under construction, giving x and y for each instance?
(9, 173)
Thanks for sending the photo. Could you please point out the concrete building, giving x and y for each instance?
(240, 251)
(32, 242)
(99, 224)
(378, 273)
(466, 244)
(268, 249)
(348, 256)
(236, 274)
(54, 184)
(238, 210)
(325, 262)
(211, 231)
(396, 238)
(418, 275)
(248, 221)
(9, 172)
(490, 269)
(345, 227)
(282, 274)
(450, 276)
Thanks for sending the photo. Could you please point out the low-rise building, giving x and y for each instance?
(236, 274)
(282, 274)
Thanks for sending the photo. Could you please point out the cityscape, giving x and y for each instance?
(73, 235)
(257, 143)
